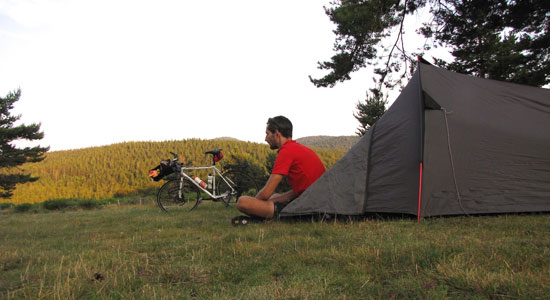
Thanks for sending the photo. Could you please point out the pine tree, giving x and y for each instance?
(11, 156)
(498, 39)
(370, 111)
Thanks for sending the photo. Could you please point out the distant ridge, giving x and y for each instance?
(344, 142)
(226, 138)
(329, 142)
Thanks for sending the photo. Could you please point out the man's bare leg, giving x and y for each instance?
(256, 207)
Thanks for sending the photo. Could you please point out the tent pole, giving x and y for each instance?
(422, 108)
(419, 193)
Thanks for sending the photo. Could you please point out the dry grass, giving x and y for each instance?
(137, 252)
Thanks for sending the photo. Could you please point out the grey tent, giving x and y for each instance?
(450, 144)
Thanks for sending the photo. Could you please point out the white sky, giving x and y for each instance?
(97, 72)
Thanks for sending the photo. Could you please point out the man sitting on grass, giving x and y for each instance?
(297, 162)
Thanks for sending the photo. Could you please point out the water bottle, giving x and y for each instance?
(200, 182)
(210, 181)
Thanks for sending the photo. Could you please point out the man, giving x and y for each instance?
(300, 164)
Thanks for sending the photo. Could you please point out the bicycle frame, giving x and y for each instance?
(214, 171)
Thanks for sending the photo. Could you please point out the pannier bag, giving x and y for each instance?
(160, 171)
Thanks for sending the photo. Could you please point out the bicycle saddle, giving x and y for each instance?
(217, 155)
(213, 152)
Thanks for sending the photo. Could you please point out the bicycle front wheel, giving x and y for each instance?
(177, 195)
(236, 184)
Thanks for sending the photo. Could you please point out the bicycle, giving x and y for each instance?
(187, 191)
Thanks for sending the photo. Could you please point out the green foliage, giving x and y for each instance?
(59, 204)
(502, 40)
(88, 204)
(245, 163)
(360, 26)
(5, 206)
(499, 39)
(23, 207)
(11, 156)
(122, 169)
(72, 203)
(370, 111)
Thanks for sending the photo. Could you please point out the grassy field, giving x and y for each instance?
(137, 252)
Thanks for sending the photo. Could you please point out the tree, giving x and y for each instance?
(370, 111)
(10, 155)
(498, 39)
(502, 40)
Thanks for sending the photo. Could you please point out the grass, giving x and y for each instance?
(137, 252)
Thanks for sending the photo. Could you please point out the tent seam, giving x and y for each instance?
(368, 168)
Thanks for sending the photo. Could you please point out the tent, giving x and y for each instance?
(450, 144)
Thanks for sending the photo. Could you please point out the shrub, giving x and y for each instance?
(108, 201)
(59, 204)
(5, 206)
(88, 204)
(23, 207)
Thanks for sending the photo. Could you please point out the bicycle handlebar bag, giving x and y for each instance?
(160, 171)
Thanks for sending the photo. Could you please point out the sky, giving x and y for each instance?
(99, 72)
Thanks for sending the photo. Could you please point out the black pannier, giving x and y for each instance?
(163, 169)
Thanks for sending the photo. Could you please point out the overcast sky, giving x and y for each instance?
(97, 72)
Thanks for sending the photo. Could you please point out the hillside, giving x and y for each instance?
(329, 142)
(103, 172)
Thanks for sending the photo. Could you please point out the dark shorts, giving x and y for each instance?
(278, 206)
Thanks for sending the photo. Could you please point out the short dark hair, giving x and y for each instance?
(282, 124)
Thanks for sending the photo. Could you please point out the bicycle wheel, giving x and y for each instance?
(169, 197)
(242, 183)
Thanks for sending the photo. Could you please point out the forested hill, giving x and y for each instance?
(103, 172)
(329, 142)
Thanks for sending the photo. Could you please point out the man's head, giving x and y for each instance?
(278, 130)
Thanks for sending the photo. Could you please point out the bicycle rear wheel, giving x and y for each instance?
(169, 197)
(242, 183)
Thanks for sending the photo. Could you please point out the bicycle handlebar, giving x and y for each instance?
(175, 156)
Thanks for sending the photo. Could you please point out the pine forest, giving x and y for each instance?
(122, 169)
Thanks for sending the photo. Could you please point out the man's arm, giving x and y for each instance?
(284, 198)
(267, 192)
(270, 186)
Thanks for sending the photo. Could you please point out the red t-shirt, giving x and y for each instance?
(300, 164)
